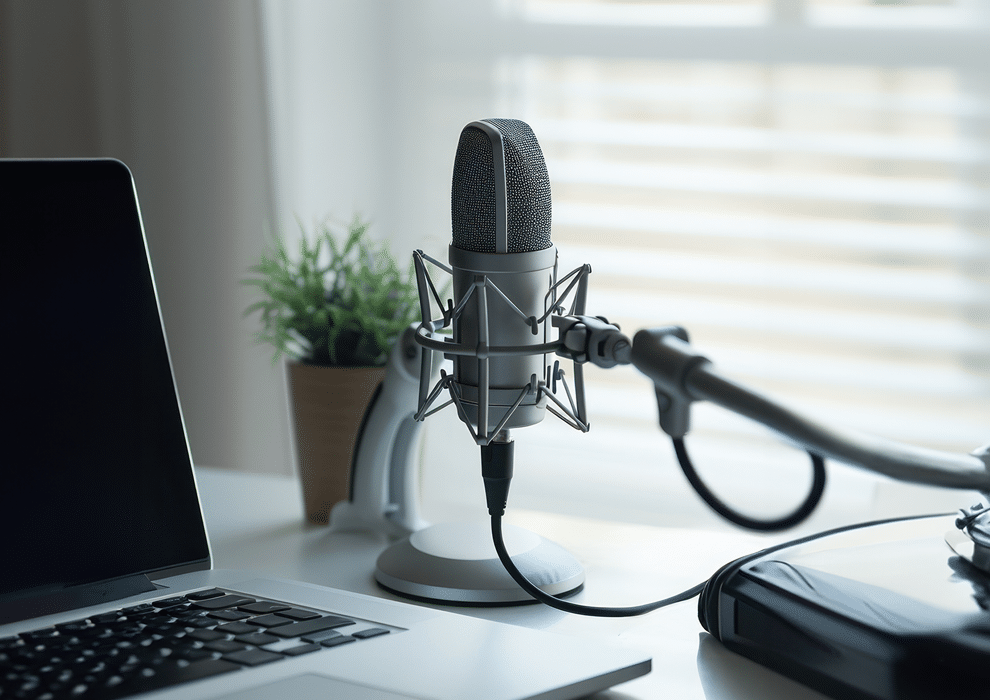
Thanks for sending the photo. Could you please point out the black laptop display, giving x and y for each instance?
(85, 358)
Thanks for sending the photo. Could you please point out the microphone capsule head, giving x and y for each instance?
(500, 196)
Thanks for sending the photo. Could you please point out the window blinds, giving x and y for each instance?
(801, 185)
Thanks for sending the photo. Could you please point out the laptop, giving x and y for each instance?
(106, 585)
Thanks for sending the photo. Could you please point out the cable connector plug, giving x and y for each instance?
(496, 468)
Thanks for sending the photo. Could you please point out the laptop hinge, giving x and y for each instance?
(73, 597)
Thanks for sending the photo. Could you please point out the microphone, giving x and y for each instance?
(506, 301)
(500, 219)
(504, 277)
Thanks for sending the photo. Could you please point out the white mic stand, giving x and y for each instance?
(450, 562)
(384, 481)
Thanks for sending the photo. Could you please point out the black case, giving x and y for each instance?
(880, 610)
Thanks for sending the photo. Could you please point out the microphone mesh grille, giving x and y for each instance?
(472, 199)
(527, 190)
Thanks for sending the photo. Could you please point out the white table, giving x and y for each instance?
(256, 522)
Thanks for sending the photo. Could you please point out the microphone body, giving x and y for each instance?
(489, 323)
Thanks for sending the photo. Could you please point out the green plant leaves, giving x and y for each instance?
(349, 301)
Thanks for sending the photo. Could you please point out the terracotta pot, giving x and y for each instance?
(328, 409)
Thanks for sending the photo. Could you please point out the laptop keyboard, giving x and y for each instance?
(166, 642)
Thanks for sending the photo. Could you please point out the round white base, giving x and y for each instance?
(457, 563)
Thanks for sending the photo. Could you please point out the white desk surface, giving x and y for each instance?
(255, 522)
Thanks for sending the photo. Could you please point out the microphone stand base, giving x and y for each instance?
(456, 563)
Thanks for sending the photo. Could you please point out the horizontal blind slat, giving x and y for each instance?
(911, 239)
(579, 132)
(797, 274)
(824, 326)
(903, 192)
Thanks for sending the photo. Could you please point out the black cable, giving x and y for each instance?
(568, 606)
(720, 507)
(496, 461)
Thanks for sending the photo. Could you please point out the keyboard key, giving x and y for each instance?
(187, 612)
(224, 601)
(318, 637)
(163, 619)
(369, 633)
(206, 635)
(199, 622)
(169, 602)
(236, 628)
(263, 606)
(191, 654)
(258, 639)
(298, 629)
(203, 595)
(141, 614)
(225, 646)
(105, 617)
(143, 607)
(166, 630)
(230, 615)
(127, 628)
(337, 641)
(269, 621)
(298, 614)
(301, 649)
(66, 628)
(253, 657)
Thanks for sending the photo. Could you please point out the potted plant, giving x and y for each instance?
(334, 309)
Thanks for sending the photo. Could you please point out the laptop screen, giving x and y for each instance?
(97, 480)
